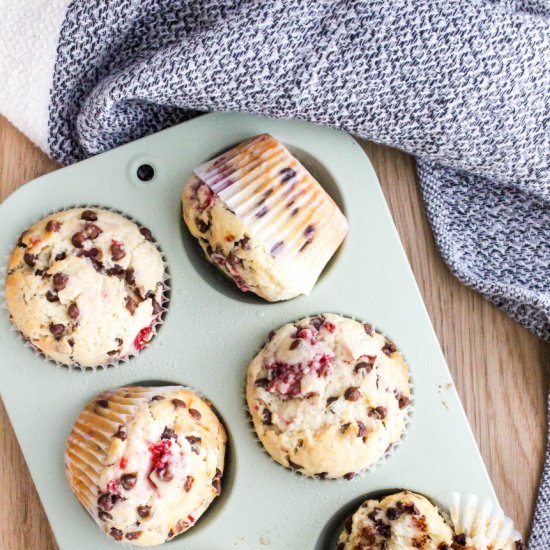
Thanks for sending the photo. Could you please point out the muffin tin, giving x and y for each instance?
(211, 332)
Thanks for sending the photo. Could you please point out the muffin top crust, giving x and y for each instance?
(401, 521)
(85, 286)
(328, 396)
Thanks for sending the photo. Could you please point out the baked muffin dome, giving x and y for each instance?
(262, 219)
(146, 462)
(328, 396)
(401, 521)
(85, 286)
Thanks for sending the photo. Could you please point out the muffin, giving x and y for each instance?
(401, 521)
(146, 462)
(85, 286)
(263, 219)
(328, 396)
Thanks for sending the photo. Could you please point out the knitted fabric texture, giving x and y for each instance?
(464, 85)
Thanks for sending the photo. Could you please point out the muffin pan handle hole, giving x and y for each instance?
(145, 173)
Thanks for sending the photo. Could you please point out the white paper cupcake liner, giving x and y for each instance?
(159, 321)
(482, 521)
(388, 453)
(280, 203)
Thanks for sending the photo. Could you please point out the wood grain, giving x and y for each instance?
(501, 370)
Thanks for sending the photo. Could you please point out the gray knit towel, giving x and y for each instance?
(464, 85)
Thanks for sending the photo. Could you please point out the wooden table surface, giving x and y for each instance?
(500, 369)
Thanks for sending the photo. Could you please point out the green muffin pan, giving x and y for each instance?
(212, 330)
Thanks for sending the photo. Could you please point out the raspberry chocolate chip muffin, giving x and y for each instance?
(328, 396)
(262, 219)
(146, 462)
(85, 286)
(397, 522)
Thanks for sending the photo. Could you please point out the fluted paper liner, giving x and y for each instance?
(280, 203)
(482, 521)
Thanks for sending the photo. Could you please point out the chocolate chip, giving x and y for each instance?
(70, 341)
(89, 216)
(133, 535)
(61, 256)
(348, 524)
(309, 230)
(128, 481)
(322, 475)
(188, 483)
(168, 434)
(179, 404)
(121, 434)
(361, 429)
(195, 414)
(393, 513)
(105, 501)
(57, 329)
(116, 270)
(51, 296)
(202, 225)
(146, 233)
(73, 311)
(243, 243)
(294, 344)
(383, 529)
(78, 239)
(130, 276)
(53, 225)
(520, 545)
(378, 412)
(352, 393)
(216, 481)
(316, 322)
(29, 259)
(157, 398)
(349, 476)
(91, 231)
(90, 253)
(368, 329)
(262, 383)
(193, 439)
(60, 281)
(98, 266)
(443, 546)
(116, 533)
(103, 403)
(266, 417)
(389, 348)
(104, 516)
(460, 539)
(165, 474)
(117, 251)
(364, 366)
(344, 427)
(403, 401)
(293, 465)
(331, 400)
(144, 511)
(131, 305)
(384, 545)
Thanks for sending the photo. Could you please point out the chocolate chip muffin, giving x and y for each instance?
(401, 521)
(85, 286)
(328, 396)
(146, 462)
(262, 219)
